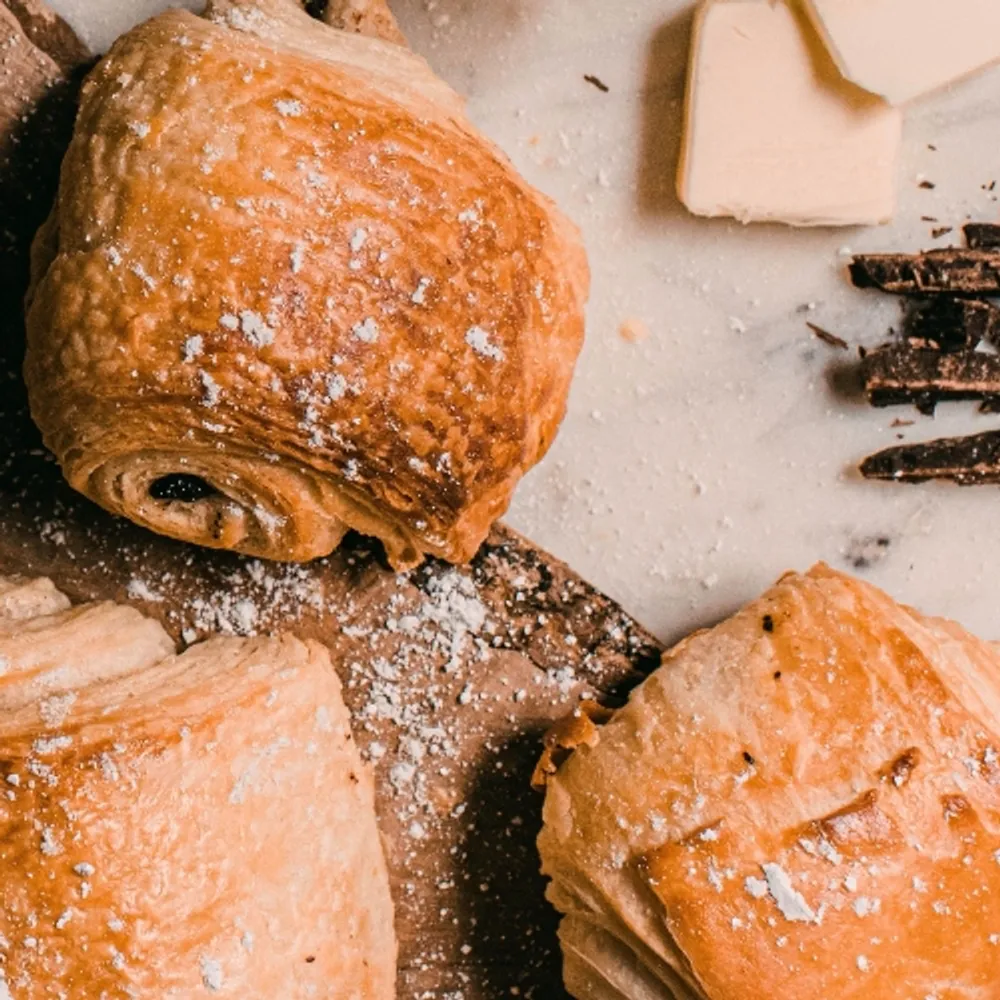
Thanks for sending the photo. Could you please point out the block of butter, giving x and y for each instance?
(773, 132)
(901, 49)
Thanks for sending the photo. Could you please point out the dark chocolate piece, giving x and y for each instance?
(900, 373)
(982, 235)
(950, 324)
(948, 271)
(968, 461)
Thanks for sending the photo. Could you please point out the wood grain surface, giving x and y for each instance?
(452, 675)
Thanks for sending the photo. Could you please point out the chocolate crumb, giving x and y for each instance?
(767, 623)
(927, 185)
(596, 82)
(938, 231)
(863, 553)
(828, 338)
(777, 675)
(748, 757)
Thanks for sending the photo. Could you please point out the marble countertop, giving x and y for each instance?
(701, 461)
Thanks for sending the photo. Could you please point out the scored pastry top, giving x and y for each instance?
(812, 809)
(284, 265)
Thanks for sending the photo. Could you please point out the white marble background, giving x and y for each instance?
(697, 465)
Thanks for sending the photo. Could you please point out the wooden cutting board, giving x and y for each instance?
(452, 675)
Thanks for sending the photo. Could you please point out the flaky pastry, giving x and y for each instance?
(803, 802)
(288, 290)
(180, 825)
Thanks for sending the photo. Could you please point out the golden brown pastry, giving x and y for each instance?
(180, 826)
(288, 290)
(803, 802)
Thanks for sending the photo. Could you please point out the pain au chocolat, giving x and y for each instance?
(288, 290)
(180, 825)
(803, 802)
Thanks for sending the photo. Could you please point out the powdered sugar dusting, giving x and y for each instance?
(419, 296)
(367, 331)
(255, 328)
(211, 973)
(479, 340)
(193, 348)
(54, 710)
(289, 108)
(211, 391)
(358, 239)
(789, 901)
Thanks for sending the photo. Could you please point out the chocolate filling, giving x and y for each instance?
(183, 487)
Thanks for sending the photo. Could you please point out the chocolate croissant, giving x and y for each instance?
(802, 802)
(180, 825)
(288, 290)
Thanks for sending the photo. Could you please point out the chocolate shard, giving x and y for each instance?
(828, 338)
(968, 461)
(901, 373)
(950, 324)
(949, 271)
(982, 235)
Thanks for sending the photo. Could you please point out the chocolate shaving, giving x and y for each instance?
(900, 373)
(596, 82)
(968, 461)
(828, 338)
(949, 271)
(982, 235)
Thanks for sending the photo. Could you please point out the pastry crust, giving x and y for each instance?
(802, 802)
(180, 825)
(284, 264)
(366, 17)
